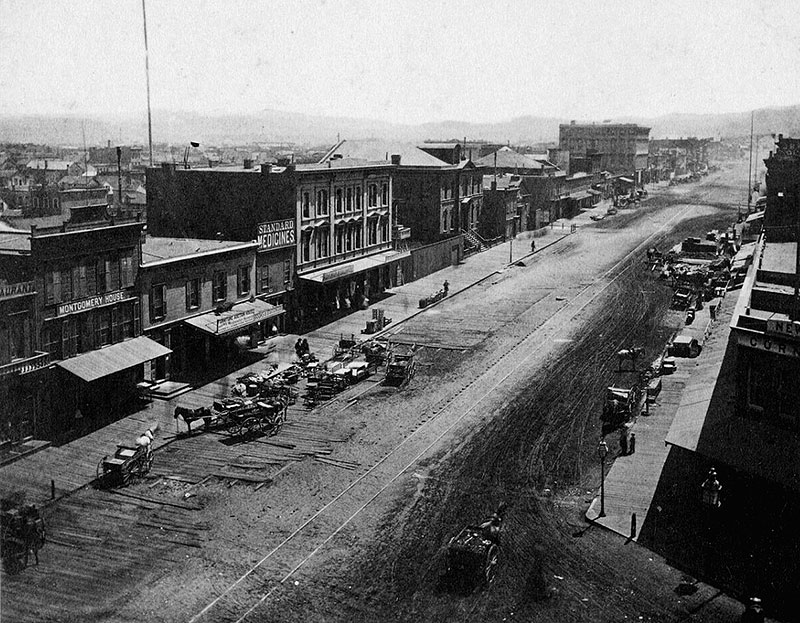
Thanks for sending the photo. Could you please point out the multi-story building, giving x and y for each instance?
(198, 298)
(741, 416)
(22, 362)
(437, 200)
(505, 206)
(624, 146)
(84, 268)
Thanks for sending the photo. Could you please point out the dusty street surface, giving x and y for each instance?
(505, 406)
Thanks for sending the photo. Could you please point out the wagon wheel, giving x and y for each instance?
(490, 568)
(14, 553)
(236, 426)
(251, 424)
(125, 473)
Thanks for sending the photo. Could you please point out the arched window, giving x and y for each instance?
(339, 201)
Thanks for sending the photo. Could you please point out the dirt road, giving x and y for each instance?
(505, 406)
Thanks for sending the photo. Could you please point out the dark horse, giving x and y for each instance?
(629, 353)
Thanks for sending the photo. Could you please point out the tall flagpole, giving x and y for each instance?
(147, 73)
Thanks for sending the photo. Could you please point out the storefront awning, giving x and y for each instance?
(332, 273)
(240, 316)
(104, 361)
(580, 195)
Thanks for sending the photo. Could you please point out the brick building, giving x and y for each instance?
(624, 146)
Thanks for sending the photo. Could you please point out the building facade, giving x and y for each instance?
(623, 146)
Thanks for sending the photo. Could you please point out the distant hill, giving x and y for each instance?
(273, 125)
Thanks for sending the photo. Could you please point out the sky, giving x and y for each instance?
(403, 61)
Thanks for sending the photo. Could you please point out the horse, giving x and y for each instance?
(629, 353)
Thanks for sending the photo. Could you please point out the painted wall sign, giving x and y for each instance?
(276, 234)
(784, 328)
(769, 344)
(15, 289)
(93, 301)
(241, 319)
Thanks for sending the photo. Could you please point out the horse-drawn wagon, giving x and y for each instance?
(474, 553)
(129, 461)
(23, 533)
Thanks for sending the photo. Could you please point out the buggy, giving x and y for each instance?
(474, 553)
(400, 368)
(128, 462)
(23, 533)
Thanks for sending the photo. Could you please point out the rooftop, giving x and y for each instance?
(507, 158)
(372, 150)
(14, 243)
(158, 250)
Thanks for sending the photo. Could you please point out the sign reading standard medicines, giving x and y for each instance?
(275, 234)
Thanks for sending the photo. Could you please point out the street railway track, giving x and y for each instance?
(222, 607)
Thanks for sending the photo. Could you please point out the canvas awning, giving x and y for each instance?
(345, 269)
(110, 359)
(238, 317)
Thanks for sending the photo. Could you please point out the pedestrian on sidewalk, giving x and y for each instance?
(446, 287)
(533, 245)
(623, 441)
(632, 444)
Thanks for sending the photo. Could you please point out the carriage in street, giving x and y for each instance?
(23, 533)
(129, 461)
(474, 553)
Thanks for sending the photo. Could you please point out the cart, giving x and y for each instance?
(400, 368)
(23, 533)
(243, 417)
(128, 463)
(474, 553)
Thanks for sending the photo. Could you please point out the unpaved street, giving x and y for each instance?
(505, 406)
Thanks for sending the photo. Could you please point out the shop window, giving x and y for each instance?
(372, 195)
(243, 280)
(306, 205)
(192, 294)
(339, 201)
(287, 271)
(158, 302)
(219, 287)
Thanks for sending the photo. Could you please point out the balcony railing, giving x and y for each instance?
(23, 366)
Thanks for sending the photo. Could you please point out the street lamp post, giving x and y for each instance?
(602, 452)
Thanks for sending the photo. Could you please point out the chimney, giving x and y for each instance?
(248, 163)
(266, 168)
(396, 159)
(109, 143)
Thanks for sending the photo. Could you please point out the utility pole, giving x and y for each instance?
(750, 167)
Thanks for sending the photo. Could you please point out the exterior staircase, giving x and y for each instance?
(473, 243)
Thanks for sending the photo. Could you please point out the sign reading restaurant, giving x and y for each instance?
(8, 290)
(93, 301)
(276, 234)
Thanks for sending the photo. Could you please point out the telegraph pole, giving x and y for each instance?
(147, 73)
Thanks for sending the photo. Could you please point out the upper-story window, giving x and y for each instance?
(219, 287)
(339, 200)
(158, 302)
(243, 280)
(373, 195)
(305, 246)
(306, 204)
(322, 203)
(349, 204)
(192, 294)
(358, 197)
(385, 194)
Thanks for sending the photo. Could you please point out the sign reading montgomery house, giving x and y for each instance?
(92, 301)
(276, 234)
